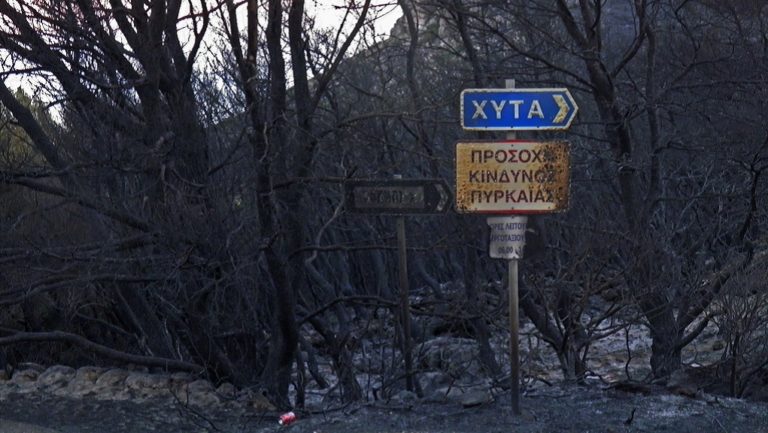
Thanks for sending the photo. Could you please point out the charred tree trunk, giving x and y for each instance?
(276, 376)
(144, 320)
(481, 332)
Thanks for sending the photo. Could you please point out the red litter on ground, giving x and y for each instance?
(287, 418)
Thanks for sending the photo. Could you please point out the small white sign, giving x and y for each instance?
(507, 236)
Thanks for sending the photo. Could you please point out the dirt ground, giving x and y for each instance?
(555, 409)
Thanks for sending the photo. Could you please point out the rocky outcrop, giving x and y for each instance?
(457, 357)
(118, 384)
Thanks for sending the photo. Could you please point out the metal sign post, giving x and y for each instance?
(513, 177)
(514, 332)
(507, 242)
(514, 303)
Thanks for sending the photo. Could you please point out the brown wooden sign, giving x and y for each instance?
(397, 196)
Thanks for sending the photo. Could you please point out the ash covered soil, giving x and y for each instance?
(554, 409)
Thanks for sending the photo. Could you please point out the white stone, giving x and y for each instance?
(57, 376)
(112, 378)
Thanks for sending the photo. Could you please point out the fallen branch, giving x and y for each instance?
(149, 361)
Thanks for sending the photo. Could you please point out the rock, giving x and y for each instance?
(441, 395)
(260, 402)
(203, 399)
(681, 383)
(182, 377)
(25, 377)
(405, 397)
(433, 380)
(146, 381)
(179, 382)
(25, 381)
(227, 390)
(145, 385)
(475, 398)
(88, 374)
(111, 385)
(458, 357)
(200, 385)
(199, 393)
(113, 377)
(83, 383)
(57, 376)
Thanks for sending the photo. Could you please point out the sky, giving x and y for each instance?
(329, 13)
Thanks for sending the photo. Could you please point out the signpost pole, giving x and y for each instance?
(399, 196)
(491, 177)
(514, 321)
(405, 305)
(514, 314)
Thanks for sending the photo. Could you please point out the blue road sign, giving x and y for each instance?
(517, 109)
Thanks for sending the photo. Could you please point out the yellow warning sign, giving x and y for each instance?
(512, 177)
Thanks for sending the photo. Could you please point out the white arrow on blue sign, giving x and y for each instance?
(517, 109)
